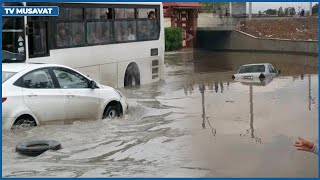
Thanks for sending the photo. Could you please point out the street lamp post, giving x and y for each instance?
(310, 9)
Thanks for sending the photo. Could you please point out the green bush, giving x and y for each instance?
(173, 38)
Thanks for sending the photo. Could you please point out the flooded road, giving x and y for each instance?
(197, 122)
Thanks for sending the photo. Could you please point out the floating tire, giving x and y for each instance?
(35, 148)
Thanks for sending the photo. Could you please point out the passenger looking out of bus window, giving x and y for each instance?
(93, 39)
(152, 15)
(131, 36)
(144, 35)
(62, 38)
(106, 36)
(121, 35)
(78, 39)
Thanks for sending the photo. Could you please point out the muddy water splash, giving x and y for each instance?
(195, 123)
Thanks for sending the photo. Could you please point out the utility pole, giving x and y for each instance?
(251, 111)
(250, 10)
(213, 9)
(202, 88)
(309, 92)
(230, 8)
(310, 9)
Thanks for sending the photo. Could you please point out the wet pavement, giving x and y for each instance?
(197, 122)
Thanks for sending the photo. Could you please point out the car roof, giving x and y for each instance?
(17, 67)
(256, 64)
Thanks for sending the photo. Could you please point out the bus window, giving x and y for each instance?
(99, 13)
(148, 29)
(99, 32)
(94, 32)
(124, 13)
(148, 24)
(70, 34)
(13, 40)
(125, 30)
(70, 14)
(143, 30)
(147, 13)
(154, 29)
(38, 39)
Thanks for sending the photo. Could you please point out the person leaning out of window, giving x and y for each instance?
(151, 15)
(306, 145)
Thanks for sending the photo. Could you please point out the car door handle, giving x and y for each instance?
(70, 96)
(32, 95)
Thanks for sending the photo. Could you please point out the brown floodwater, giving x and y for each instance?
(197, 122)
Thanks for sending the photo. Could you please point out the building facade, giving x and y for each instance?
(184, 16)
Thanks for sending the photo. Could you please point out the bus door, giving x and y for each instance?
(37, 37)
(13, 39)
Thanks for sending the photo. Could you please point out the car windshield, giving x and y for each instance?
(252, 69)
(6, 75)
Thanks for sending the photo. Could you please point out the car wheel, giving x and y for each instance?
(111, 112)
(23, 122)
(35, 148)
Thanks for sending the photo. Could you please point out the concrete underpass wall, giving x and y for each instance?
(209, 21)
(239, 41)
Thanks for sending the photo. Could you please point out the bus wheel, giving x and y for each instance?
(132, 75)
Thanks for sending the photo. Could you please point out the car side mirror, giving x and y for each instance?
(93, 85)
(279, 71)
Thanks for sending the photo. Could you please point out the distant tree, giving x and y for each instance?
(271, 12)
(290, 11)
(280, 12)
(315, 9)
(286, 11)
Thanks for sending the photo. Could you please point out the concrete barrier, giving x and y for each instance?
(208, 21)
(240, 41)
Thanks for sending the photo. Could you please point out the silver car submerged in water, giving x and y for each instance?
(262, 73)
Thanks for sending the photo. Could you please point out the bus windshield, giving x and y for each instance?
(13, 40)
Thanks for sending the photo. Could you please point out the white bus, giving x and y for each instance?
(117, 44)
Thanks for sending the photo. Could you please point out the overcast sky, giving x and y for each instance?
(262, 6)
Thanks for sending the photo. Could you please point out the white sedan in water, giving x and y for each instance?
(35, 93)
(255, 72)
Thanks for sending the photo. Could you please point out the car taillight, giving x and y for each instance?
(4, 99)
(262, 76)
